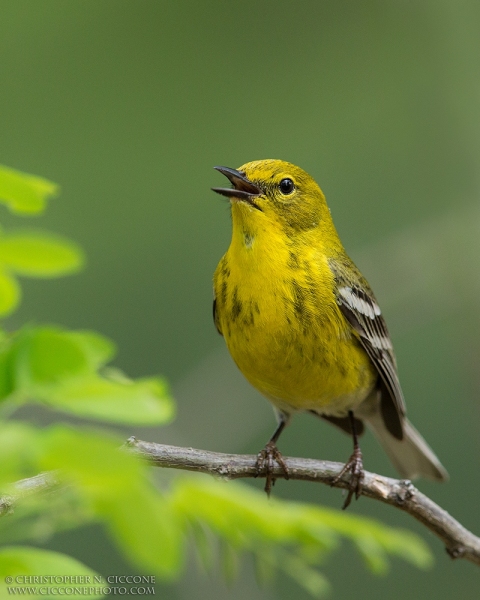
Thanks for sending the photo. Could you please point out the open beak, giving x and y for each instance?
(243, 189)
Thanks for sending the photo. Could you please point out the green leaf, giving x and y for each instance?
(98, 348)
(91, 459)
(27, 566)
(373, 554)
(203, 546)
(38, 516)
(142, 402)
(40, 254)
(229, 562)
(311, 580)
(59, 368)
(243, 515)
(47, 355)
(140, 519)
(266, 564)
(374, 539)
(405, 544)
(18, 442)
(148, 531)
(9, 293)
(24, 193)
(6, 380)
(291, 536)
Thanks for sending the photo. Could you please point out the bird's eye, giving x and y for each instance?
(286, 186)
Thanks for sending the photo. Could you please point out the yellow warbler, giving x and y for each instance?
(302, 323)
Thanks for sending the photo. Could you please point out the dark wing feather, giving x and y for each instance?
(358, 305)
(216, 320)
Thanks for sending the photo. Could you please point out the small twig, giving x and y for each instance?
(459, 542)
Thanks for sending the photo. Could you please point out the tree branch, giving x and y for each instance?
(459, 542)
(44, 482)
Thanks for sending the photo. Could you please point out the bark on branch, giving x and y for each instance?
(459, 542)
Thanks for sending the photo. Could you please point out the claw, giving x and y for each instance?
(265, 465)
(354, 465)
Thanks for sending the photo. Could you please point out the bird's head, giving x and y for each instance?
(275, 193)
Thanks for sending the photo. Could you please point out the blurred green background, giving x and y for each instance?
(129, 104)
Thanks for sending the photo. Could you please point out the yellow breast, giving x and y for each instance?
(277, 311)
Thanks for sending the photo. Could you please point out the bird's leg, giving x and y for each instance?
(354, 465)
(269, 455)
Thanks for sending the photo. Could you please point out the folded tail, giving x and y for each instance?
(411, 456)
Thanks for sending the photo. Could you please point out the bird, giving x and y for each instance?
(303, 325)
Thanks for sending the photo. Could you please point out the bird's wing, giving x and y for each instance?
(358, 305)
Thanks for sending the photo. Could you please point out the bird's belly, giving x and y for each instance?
(318, 367)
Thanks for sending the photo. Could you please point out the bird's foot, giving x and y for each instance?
(265, 465)
(354, 465)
